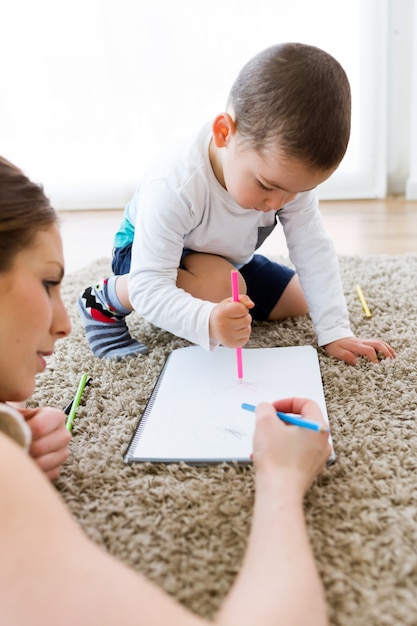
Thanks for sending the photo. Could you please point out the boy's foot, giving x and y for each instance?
(105, 325)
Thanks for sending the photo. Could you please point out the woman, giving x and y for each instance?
(33, 316)
(50, 572)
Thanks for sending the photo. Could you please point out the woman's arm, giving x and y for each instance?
(51, 573)
(279, 582)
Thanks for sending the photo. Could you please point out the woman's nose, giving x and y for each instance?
(61, 322)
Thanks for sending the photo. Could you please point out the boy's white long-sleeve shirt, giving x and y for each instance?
(180, 204)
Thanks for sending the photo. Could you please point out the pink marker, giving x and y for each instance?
(235, 295)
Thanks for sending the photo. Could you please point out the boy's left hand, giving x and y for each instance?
(50, 438)
(349, 348)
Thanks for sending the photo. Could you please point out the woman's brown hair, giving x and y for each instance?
(24, 210)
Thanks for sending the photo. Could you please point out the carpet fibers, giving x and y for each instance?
(186, 527)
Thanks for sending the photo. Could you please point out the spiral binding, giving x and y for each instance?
(129, 454)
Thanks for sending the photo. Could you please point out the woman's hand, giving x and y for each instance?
(50, 438)
(289, 454)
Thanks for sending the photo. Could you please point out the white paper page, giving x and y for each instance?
(197, 415)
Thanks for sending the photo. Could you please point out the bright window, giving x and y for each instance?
(91, 90)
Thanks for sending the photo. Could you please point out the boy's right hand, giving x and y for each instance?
(286, 455)
(230, 322)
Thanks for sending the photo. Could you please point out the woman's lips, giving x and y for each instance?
(42, 359)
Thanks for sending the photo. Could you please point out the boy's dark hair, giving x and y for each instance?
(296, 96)
(24, 210)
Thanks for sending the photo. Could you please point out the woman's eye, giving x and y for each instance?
(48, 284)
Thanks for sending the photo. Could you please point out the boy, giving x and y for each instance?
(205, 207)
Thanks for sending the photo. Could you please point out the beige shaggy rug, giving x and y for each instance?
(186, 527)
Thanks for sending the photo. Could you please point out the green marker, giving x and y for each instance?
(76, 402)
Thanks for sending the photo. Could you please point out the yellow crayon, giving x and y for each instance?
(363, 302)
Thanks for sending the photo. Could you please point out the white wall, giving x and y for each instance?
(363, 172)
(91, 90)
(411, 184)
(399, 81)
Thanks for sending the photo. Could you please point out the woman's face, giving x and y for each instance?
(32, 314)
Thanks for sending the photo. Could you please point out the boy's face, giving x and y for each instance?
(265, 181)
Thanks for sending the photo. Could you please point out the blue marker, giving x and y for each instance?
(291, 419)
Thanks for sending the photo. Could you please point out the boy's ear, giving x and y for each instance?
(223, 128)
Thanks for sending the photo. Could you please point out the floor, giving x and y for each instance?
(356, 227)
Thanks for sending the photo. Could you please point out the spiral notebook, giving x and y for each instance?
(194, 413)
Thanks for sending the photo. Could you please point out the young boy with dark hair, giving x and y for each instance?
(204, 209)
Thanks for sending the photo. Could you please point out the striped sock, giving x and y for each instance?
(103, 318)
